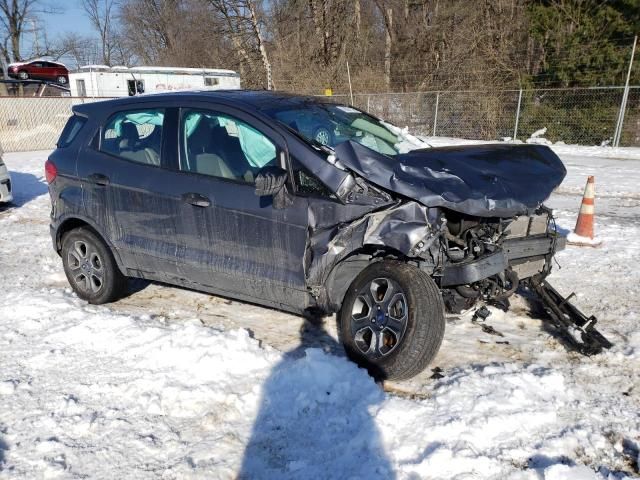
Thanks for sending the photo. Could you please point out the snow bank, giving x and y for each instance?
(82, 386)
(575, 239)
(148, 388)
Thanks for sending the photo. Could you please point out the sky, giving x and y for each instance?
(53, 25)
(72, 20)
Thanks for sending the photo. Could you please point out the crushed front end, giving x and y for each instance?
(473, 218)
(487, 258)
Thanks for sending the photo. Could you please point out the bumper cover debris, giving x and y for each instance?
(576, 329)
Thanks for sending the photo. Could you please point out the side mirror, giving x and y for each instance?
(270, 182)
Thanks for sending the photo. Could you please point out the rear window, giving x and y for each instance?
(71, 130)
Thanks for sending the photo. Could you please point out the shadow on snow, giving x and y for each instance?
(315, 417)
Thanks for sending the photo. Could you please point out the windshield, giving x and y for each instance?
(330, 124)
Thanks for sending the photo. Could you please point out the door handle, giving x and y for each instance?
(99, 179)
(196, 199)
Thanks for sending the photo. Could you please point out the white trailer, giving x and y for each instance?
(104, 81)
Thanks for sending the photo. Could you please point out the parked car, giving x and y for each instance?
(213, 191)
(40, 70)
(5, 184)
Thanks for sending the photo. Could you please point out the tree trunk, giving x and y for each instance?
(259, 40)
(387, 48)
(318, 26)
(357, 17)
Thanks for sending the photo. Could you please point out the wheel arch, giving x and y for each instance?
(344, 272)
(72, 223)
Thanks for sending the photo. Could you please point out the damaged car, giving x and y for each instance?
(223, 192)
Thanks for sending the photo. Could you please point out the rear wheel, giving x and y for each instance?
(392, 320)
(61, 80)
(90, 267)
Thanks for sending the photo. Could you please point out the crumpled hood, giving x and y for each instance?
(492, 180)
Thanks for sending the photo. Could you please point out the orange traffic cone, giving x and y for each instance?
(583, 233)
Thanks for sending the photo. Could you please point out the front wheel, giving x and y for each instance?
(392, 320)
(23, 75)
(323, 136)
(90, 267)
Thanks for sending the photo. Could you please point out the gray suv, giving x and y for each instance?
(222, 192)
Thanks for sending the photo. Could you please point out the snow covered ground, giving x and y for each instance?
(170, 383)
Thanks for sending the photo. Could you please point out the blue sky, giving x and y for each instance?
(72, 20)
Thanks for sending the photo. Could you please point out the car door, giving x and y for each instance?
(48, 71)
(35, 70)
(125, 189)
(54, 71)
(241, 244)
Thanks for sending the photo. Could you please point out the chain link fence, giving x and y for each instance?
(34, 123)
(586, 116)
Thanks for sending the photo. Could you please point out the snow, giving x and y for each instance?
(575, 239)
(171, 383)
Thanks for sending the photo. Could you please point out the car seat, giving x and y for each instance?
(130, 148)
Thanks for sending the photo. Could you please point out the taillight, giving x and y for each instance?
(50, 171)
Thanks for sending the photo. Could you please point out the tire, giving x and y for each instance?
(90, 267)
(411, 323)
(23, 75)
(62, 80)
(323, 136)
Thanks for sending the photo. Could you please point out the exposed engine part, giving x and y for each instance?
(468, 292)
(508, 284)
(456, 303)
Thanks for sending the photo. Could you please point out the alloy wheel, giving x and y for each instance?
(379, 318)
(323, 136)
(86, 266)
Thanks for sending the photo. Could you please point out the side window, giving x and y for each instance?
(71, 130)
(135, 135)
(306, 183)
(221, 146)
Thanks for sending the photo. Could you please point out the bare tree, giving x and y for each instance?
(152, 28)
(83, 50)
(101, 14)
(387, 14)
(244, 26)
(14, 15)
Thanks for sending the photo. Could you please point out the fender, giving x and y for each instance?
(70, 221)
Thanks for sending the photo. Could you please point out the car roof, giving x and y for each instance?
(252, 99)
